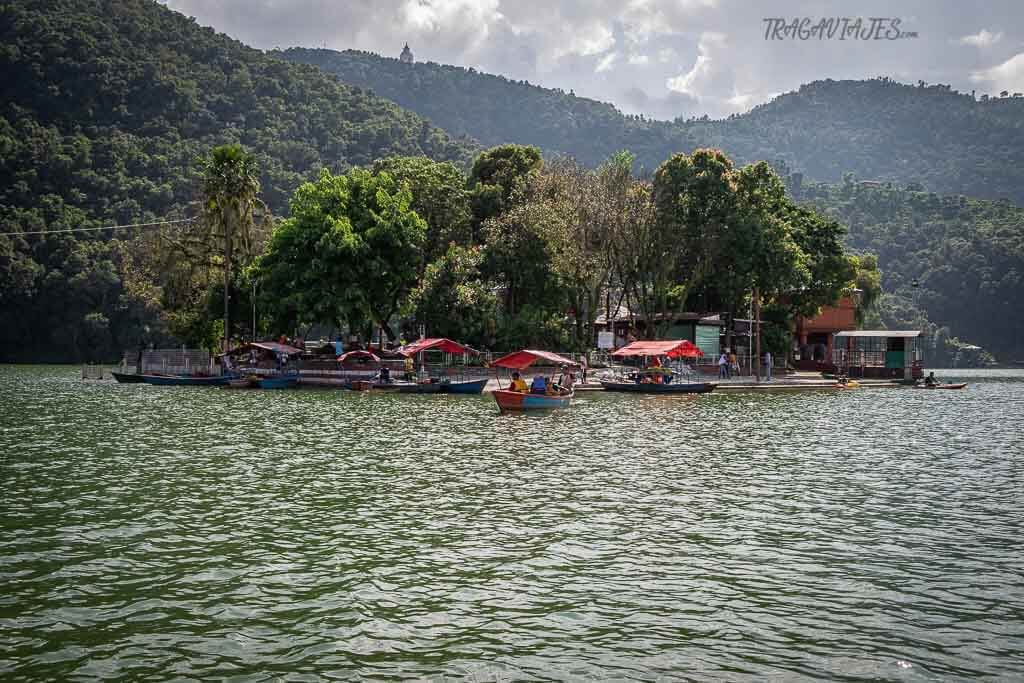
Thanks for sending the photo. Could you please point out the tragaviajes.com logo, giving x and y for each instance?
(835, 28)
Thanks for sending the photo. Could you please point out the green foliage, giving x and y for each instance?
(497, 174)
(877, 128)
(352, 250)
(453, 301)
(106, 106)
(439, 196)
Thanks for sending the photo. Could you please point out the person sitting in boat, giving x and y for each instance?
(385, 375)
(539, 385)
(930, 380)
(518, 384)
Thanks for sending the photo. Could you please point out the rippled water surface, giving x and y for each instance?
(169, 532)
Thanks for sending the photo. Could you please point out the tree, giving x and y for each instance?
(496, 175)
(230, 196)
(351, 250)
(439, 196)
(452, 300)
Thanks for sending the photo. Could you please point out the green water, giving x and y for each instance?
(173, 532)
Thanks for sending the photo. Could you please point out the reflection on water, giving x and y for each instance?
(166, 532)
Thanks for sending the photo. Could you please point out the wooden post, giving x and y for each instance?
(757, 339)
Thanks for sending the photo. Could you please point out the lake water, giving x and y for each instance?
(173, 532)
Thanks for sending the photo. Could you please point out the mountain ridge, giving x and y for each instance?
(880, 129)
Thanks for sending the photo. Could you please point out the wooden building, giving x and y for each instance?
(889, 354)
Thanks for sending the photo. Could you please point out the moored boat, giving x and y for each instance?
(651, 388)
(279, 382)
(473, 386)
(186, 380)
(126, 377)
(655, 378)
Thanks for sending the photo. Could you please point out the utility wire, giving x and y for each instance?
(107, 227)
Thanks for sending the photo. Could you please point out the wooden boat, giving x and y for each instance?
(652, 388)
(126, 377)
(186, 380)
(418, 387)
(242, 383)
(279, 382)
(516, 401)
(941, 386)
(473, 386)
(509, 401)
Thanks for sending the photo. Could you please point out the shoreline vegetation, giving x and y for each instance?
(100, 129)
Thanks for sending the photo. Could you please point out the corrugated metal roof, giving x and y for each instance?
(880, 333)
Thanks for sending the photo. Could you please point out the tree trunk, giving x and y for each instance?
(227, 280)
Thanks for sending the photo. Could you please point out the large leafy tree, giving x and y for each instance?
(497, 174)
(452, 300)
(351, 250)
(439, 197)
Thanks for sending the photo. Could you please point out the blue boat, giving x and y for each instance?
(473, 386)
(279, 382)
(186, 380)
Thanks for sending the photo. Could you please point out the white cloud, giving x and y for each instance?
(639, 60)
(982, 38)
(1006, 76)
(702, 75)
(606, 62)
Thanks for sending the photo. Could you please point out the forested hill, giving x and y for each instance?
(876, 129)
(105, 107)
(965, 255)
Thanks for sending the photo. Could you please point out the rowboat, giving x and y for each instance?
(126, 377)
(279, 382)
(652, 388)
(509, 401)
(186, 380)
(473, 386)
(243, 383)
(515, 401)
(941, 386)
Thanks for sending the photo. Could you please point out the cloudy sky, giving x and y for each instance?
(662, 58)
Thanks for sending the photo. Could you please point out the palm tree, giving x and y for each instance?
(231, 208)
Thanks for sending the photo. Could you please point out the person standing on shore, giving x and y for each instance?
(768, 366)
(723, 366)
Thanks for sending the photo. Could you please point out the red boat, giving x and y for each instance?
(509, 400)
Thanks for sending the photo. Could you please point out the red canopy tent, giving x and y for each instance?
(523, 359)
(438, 343)
(677, 348)
(356, 355)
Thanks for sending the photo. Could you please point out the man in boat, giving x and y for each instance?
(539, 385)
(518, 384)
(930, 380)
(385, 375)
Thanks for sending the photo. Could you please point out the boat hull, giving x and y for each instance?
(278, 382)
(126, 377)
(673, 388)
(475, 386)
(941, 386)
(185, 381)
(514, 401)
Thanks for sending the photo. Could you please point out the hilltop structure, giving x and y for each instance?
(406, 56)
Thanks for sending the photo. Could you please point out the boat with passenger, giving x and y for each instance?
(653, 376)
(544, 392)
